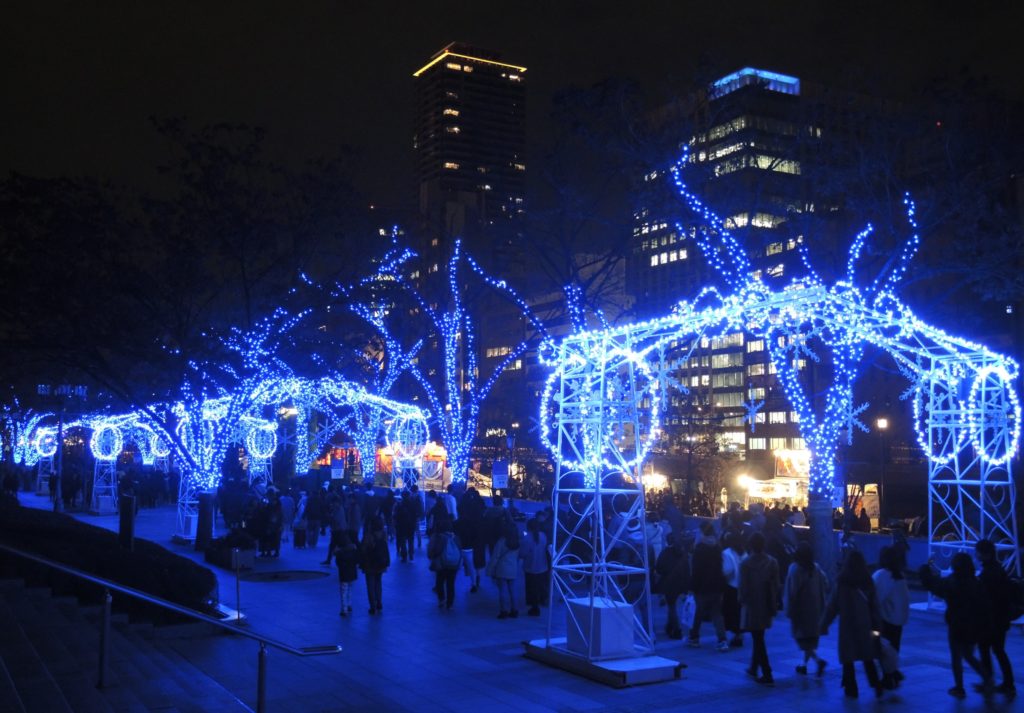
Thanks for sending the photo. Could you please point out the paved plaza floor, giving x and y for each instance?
(415, 657)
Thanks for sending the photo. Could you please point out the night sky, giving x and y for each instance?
(81, 79)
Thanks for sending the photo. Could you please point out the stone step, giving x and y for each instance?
(9, 698)
(201, 690)
(32, 679)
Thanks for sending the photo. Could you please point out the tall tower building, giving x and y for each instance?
(470, 145)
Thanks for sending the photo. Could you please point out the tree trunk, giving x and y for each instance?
(823, 540)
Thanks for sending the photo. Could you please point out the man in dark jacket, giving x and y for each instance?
(673, 568)
(708, 583)
(995, 585)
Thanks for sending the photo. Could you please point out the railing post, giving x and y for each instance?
(101, 679)
(235, 560)
(261, 680)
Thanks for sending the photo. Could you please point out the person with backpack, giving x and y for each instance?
(346, 556)
(804, 598)
(893, 607)
(503, 567)
(1001, 596)
(708, 582)
(445, 555)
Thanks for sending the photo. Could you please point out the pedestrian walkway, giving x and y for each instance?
(415, 657)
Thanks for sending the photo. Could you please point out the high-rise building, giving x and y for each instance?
(470, 145)
(759, 143)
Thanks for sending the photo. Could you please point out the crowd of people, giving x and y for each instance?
(454, 532)
(738, 574)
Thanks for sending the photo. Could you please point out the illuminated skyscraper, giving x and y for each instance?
(470, 145)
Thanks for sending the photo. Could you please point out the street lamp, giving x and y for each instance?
(882, 424)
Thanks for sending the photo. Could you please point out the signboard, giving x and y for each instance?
(499, 475)
(337, 473)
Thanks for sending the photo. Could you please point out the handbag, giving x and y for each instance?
(688, 612)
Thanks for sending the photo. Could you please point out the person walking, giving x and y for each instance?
(758, 594)
(707, 582)
(503, 567)
(375, 558)
(346, 556)
(673, 568)
(445, 555)
(893, 606)
(405, 527)
(732, 556)
(855, 604)
(533, 551)
(967, 618)
(804, 598)
(997, 591)
(467, 529)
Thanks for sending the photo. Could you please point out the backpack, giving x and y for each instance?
(451, 555)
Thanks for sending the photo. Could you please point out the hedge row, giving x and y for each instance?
(149, 568)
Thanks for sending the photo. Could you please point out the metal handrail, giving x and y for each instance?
(109, 585)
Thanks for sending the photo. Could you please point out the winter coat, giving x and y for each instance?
(967, 612)
(893, 597)
(706, 571)
(405, 517)
(348, 559)
(759, 591)
(534, 554)
(374, 555)
(997, 589)
(504, 563)
(857, 609)
(673, 568)
(467, 528)
(805, 597)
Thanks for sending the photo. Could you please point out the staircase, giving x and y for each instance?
(49, 653)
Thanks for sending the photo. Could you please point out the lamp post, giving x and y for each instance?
(882, 424)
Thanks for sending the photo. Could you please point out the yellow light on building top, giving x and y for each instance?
(445, 55)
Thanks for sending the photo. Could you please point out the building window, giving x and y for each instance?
(777, 444)
(724, 361)
(777, 417)
(516, 365)
(728, 340)
(773, 249)
(450, 112)
(654, 260)
(756, 393)
(514, 77)
(794, 417)
(453, 130)
(454, 65)
(451, 165)
(519, 166)
(756, 444)
(433, 243)
(755, 345)
(729, 399)
(776, 271)
(498, 352)
(755, 370)
(727, 380)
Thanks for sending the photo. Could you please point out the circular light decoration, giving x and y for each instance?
(590, 445)
(261, 440)
(46, 442)
(158, 446)
(107, 442)
(407, 436)
(995, 415)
